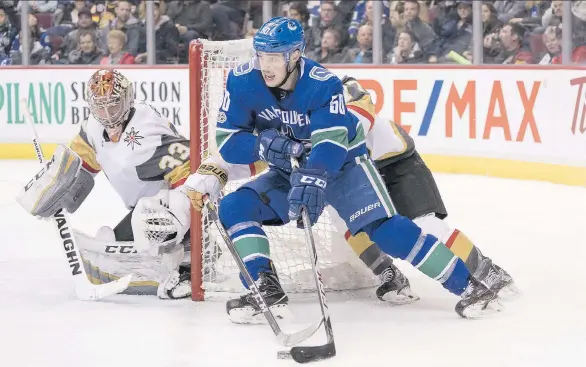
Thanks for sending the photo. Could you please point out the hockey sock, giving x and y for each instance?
(400, 237)
(242, 213)
(370, 254)
(461, 245)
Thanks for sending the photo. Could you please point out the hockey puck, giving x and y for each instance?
(284, 354)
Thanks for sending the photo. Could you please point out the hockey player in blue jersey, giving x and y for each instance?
(281, 104)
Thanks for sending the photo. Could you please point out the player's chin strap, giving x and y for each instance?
(289, 72)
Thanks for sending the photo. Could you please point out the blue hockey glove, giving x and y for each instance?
(307, 189)
(276, 149)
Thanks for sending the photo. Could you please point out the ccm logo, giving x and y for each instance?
(120, 250)
(364, 210)
(313, 181)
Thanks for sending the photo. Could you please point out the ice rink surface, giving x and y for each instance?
(535, 230)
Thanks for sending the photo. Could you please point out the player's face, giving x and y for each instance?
(110, 114)
(273, 68)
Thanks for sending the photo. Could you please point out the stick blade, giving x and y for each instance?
(90, 292)
(289, 340)
(311, 354)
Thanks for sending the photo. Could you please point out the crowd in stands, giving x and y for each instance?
(84, 32)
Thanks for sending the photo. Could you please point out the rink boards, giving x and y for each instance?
(518, 122)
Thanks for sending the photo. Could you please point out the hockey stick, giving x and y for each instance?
(84, 289)
(305, 354)
(285, 339)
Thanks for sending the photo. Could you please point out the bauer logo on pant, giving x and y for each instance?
(364, 210)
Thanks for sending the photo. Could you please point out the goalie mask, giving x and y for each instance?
(110, 97)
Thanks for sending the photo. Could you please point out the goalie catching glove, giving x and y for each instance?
(60, 184)
(209, 179)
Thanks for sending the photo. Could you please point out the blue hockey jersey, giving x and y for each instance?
(314, 113)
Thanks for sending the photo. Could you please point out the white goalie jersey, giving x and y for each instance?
(151, 154)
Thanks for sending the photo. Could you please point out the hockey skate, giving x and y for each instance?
(482, 295)
(179, 284)
(244, 310)
(395, 288)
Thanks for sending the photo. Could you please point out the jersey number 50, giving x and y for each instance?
(337, 104)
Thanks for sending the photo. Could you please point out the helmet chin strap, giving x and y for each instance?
(289, 72)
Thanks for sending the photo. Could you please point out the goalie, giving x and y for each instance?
(146, 162)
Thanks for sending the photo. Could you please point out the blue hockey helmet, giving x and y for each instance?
(280, 35)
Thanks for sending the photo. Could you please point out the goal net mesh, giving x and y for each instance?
(340, 267)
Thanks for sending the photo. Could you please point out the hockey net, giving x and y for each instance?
(214, 272)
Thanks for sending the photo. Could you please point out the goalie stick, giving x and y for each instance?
(285, 339)
(84, 289)
(305, 354)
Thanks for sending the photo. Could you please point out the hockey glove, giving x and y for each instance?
(276, 149)
(209, 179)
(307, 189)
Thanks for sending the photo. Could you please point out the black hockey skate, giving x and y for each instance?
(481, 296)
(244, 310)
(395, 288)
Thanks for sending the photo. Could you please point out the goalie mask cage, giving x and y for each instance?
(213, 270)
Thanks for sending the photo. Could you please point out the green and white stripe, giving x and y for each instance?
(250, 246)
(222, 136)
(337, 135)
(438, 263)
(359, 139)
(378, 184)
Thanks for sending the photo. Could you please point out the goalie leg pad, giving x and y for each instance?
(61, 183)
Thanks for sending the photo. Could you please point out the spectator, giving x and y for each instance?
(298, 11)
(360, 14)
(441, 13)
(103, 12)
(455, 35)
(166, 38)
(490, 22)
(7, 35)
(532, 15)
(36, 32)
(508, 48)
(125, 23)
(69, 13)
(38, 54)
(330, 52)
(235, 10)
(39, 6)
(362, 54)
(88, 52)
(71, 39)
(509, 9)
(424, 33)
(328, 19)
(552, 39)
(407, 50)
(193, 19)
(578, 53)
(388, 30)
(117, 55)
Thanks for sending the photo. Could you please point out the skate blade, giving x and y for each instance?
(249, 316)
(482, 309)
(405, 297)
